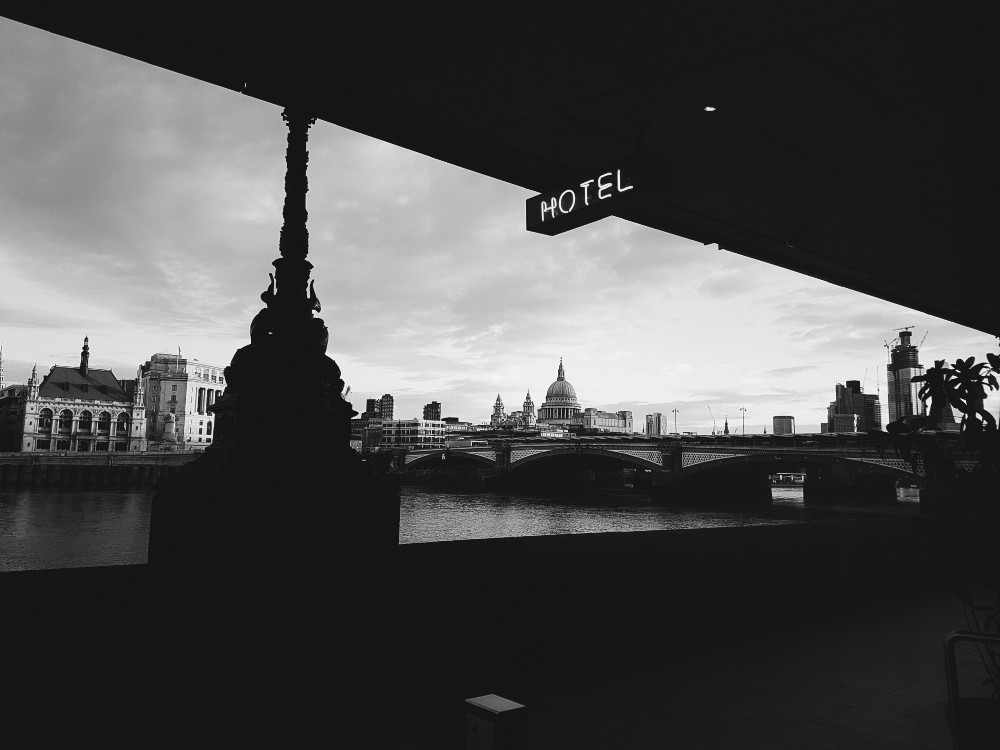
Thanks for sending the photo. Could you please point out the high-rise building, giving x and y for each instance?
(852, 410)
(432, 410)
(903, 366)
(783, 425)
(373, 407)
(386, 406)
(656, 424)
(179, 392)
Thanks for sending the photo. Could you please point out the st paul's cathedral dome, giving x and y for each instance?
(560, 401)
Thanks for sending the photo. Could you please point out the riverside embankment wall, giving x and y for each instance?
(89, 470)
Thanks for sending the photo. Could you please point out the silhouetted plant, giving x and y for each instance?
(964, 386)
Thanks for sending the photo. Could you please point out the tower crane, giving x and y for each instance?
(920, 345)
(904, 328)
(713, 418)
(864, 379)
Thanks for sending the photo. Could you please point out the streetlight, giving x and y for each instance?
(744, 410)
(675, 421)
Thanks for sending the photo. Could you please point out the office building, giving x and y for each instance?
(594, 420)
(179, 392)
(656, 425)
(783, 425)
(432, 410)
(902, 392)
(386, 406)
(413, 434)
(852, 410)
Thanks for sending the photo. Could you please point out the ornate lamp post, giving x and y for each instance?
(675, 421)
(278, 535)
(282, 435)
(744, 428)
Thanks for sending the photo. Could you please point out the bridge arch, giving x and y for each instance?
(696, 463)
(434, 458)
(624, 457)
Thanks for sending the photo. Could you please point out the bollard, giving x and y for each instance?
(495, 723)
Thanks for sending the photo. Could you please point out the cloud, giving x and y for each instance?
(144, 208)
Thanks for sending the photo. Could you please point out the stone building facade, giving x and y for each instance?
(74, 409)
(178, 394)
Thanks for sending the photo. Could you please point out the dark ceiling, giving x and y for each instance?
(852, 141)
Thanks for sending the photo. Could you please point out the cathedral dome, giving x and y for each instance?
(561, 391)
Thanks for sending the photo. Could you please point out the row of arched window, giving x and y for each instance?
(86, 422)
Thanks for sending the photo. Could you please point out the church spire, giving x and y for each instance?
(562, 372)
(85, 356)
(33, 383)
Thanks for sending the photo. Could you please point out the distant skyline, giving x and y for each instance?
(142, 208)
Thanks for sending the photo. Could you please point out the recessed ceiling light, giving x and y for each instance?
(708, 108)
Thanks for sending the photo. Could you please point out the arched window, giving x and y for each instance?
(86, 421)
(208, 429)
(45, 421)
(104, 423)
(65, 420)
(123, 424)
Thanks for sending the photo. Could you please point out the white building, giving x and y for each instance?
(183, 388)
(413, 434)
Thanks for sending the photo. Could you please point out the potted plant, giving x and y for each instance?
(975, 496)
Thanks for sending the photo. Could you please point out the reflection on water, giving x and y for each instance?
(73, 529)
(433, 515)
(78, 529)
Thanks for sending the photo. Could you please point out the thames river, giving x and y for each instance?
(80, 529)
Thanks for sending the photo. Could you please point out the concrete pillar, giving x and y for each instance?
(828, 484)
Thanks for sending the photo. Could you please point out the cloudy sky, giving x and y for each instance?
(142, 208)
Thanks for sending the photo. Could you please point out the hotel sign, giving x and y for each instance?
(599, 195)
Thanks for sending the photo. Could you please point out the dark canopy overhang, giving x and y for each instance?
(852, 141)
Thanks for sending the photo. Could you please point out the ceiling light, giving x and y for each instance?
(708, 108)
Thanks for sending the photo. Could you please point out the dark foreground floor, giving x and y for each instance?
(868, 679)
(813, 637)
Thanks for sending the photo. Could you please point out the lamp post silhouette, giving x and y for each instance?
(744, 428)
(675, 421)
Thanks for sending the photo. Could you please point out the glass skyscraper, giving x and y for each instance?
(903, 366)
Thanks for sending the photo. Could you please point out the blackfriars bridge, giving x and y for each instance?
(838, 467)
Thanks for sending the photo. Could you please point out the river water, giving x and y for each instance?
(83, 529)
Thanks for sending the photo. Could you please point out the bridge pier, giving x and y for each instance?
(733, 486)
(833, 484)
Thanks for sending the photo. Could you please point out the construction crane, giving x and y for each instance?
(904, 328)
(888, 350)
(864, 379)
(920, 345)
(713, 418)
